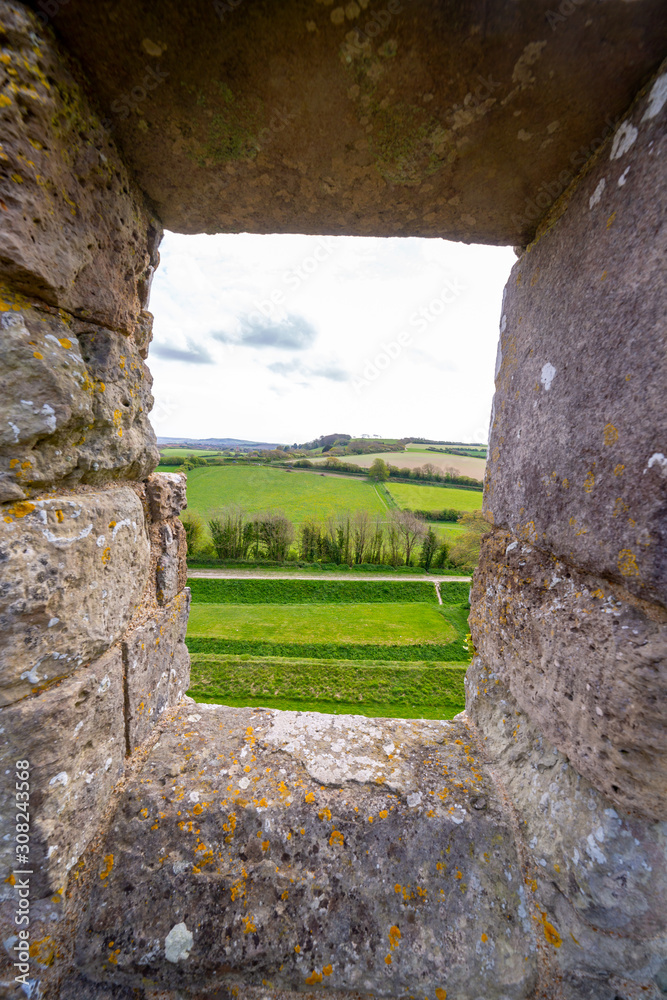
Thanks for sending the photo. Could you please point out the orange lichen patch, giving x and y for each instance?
(310, 796)
(297, 948)
(198, 808)
(143, 812)
(484, 938)
(44, 950)
(383, 813)
(394, 936)
(439, 865)
(36, 354)
(458, 874)
(302, 831)
(11, 879)
(325, 814)
(21, 509)
(627, 563)
(327, 970)
(314, 977)
(589, 482)
(550, 933)
(285, 894)
(64, 342)
(440, 994)
(370, 819)
(106, 555)
(336, 838)
(610, 435)
(265, 845)
(108, 865)
(388, 959)
(619, 470)
(248, 925)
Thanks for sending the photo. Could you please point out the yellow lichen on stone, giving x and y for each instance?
(108, 865)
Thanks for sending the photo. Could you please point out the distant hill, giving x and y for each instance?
(217, 443)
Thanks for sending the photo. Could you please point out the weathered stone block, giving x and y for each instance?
(596, 874)
(171, 572)
(76, 231)
(74, 739)
(166, 494)
(74, 402)
(298, 849)
(157, 667)
(360, 131)
(143, 333)
(577, 457)
(74, 569)
(585, 660)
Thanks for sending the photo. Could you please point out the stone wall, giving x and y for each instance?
(93, 609)
(568, 611)
(186, 853)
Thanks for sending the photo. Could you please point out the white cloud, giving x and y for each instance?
(271, 335)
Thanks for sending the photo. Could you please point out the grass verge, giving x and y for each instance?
(249, 591)
(414, 689)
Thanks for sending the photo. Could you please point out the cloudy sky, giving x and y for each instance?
(283, 338)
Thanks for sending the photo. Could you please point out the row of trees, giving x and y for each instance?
(403, 539)
(380, 471)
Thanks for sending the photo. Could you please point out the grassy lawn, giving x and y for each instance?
(376, 624)
(434, 497)
(375, 648)
(298, 495)
(394, 690)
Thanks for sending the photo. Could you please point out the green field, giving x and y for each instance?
(434, 497)
(184, 452)
(410, 624)
(394, 690)
(383, 648)
(299, 495)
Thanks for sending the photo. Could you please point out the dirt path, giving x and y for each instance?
(232, 574)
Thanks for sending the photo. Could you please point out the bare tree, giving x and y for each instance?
(394, 541)
(411, 530)
(360, 532)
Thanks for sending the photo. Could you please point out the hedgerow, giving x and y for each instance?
(456, 651)
(249, 591)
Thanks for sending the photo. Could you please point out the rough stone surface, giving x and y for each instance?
(457, 120)
(74, 570)
(72, 737)
(75, 229)
(50, 948)
(157, 665)
(294, 850)
(171, 572)
(74, 402)
(578, 448)
(586, 660)
(596, 873)
(166, 494)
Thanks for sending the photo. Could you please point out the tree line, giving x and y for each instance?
(401, 539)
